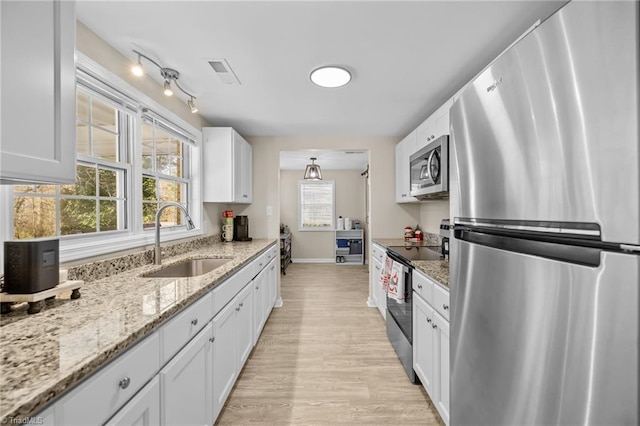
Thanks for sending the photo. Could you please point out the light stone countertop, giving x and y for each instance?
(45, 354)
(436, 269)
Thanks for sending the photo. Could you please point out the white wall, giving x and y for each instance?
(431, 213)
(349, 197)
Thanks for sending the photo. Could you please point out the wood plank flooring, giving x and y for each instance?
(324, 358)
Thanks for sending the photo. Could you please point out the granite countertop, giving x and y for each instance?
(436, 269)
(45, 354)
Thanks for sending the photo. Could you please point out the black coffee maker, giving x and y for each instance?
(445, 233)
(241, 228)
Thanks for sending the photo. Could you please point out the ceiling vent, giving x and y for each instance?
(224, 71)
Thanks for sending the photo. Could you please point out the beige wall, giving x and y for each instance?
(431, 213)
(388, 219)
(350, 199)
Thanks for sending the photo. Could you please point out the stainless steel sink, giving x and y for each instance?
(189, 268)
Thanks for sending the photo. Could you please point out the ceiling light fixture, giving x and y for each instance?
(137, 69)
(192, 106)
(169, 74)
(312, 172)
(331, 76)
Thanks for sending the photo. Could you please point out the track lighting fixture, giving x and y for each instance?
(192, 106)
(170, 75)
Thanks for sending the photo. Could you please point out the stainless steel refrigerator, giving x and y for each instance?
(545, 196)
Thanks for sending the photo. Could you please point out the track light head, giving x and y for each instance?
(167, 88)
(137, 69)
(192, 105)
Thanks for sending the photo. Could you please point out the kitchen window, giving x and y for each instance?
(132, 155)
(316, 206)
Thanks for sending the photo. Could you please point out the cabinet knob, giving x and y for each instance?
(432, 136)
(257, 287)
(124, 383)
(420, 286)
(212, 339)
(241, 304)
(245, 195)
(273, 267)
(445, 307)
(434, 326)
(238, 308)
(404, 195)
(194, 321)
(428, 319)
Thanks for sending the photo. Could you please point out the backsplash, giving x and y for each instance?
(92, 271)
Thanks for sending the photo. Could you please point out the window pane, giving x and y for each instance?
(163, 141)
(172, 191)
(82, 138)
(108, 182)
(82, 107)
(85, 182)
(37, 189)
(149, 188)
(316, 205)
(104, 115)
(169, 165)
(34, 217)
(149, 214)
(109, 216)
(77, 216)
(105, 144)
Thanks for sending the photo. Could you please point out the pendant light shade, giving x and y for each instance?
(312, 172)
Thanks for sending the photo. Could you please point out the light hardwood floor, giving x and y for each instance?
(324, 358)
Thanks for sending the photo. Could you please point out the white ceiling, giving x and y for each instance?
(406, 58)
(327, 160)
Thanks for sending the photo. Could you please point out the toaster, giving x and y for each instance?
(31, 266)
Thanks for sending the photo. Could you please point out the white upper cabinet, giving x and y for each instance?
(228, 166)
(38, 85)
(433, 127)
(404, 149)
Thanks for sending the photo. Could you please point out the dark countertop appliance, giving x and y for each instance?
(31, 266)
(241, 229)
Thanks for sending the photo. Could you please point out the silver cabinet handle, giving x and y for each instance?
(245, 195)
(238, 308)
(420, 286)
(445, 307)
(211, 339)
(124, 383)
(194, 321)
(258, 287)
(260, 264)
(432, 136)
(428, 319)
(434, 326)
(404, 195)
(241, 304)
(273, 267)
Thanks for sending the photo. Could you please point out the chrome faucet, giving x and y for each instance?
(190, 226)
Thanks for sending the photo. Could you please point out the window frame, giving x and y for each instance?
(332, 226)
(84, 246)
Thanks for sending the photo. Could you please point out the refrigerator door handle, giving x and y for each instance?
(580, 255)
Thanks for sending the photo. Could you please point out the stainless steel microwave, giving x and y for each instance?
(430, 171)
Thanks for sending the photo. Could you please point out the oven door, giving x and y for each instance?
(401, 313)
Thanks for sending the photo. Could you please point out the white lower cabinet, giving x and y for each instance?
(142, 410)
(224, 356)
(201, 360)
(423, 342)
(244, 324)
(186, 384)
(431, 353)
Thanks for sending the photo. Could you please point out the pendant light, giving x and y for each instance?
(312, 172)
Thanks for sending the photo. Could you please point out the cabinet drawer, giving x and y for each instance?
(223, 293)
(441, 301)
(272, 252)
(260, 263)
(178, 331)
(423, 285)
(378, 253)
(105, 392)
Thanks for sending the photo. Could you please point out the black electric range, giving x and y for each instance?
(410, 253)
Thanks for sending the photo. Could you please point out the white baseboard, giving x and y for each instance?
(371, 303)
(278, 303)
(314, 260)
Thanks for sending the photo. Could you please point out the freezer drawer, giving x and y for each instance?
(540, 341)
